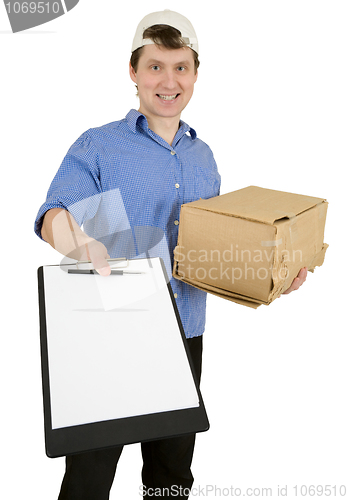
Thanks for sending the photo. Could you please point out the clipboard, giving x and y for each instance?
(115, 365)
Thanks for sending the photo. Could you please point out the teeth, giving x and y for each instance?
(168, 97)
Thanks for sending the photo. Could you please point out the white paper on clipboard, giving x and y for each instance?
(132, 287)
(111, 358)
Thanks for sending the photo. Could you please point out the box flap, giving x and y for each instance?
(258, 204)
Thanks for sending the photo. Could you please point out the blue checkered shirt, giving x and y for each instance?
(125, 185)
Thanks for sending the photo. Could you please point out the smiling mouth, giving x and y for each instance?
(168, 97)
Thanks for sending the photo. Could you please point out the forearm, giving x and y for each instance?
(62, 232)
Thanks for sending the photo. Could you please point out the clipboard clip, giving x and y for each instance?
(86, 267)
(113, 263)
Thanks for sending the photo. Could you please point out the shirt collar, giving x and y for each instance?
(134, 119)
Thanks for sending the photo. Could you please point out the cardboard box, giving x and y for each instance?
(248, 246)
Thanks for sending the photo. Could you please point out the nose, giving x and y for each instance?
(169, 79)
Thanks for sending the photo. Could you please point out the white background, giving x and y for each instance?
(271, 101)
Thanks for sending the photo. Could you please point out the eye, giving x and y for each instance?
(181, 68)
(155, 67)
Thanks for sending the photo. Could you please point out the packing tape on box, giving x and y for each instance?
(293, 230)
(291, 216)
(272, 243)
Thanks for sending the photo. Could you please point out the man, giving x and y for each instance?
(131, 175)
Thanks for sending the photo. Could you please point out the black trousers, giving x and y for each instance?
(166, 462)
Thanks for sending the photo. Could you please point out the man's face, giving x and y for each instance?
(165, 80)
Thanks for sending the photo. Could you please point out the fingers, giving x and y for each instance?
(101, 265)
(104, 271)
(295, 285)
(97, 254)
(301, 278)
(298, 281)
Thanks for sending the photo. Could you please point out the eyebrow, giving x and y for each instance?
(179, 63)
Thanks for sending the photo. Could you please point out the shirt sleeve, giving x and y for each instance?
(217, 176)
(208, 179)
(76, 185)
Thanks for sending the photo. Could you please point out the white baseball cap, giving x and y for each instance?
(169, 18)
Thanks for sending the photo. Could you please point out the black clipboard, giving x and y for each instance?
(71, 438)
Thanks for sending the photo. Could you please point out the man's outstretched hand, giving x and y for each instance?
(62, 232)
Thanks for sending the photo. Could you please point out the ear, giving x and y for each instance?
(132, 73)
(196, 75)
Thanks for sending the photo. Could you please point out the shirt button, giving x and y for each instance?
(175, 295)
(176, 222)
(172, 152)
(177, 185)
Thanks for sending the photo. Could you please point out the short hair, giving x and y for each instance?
(162, 34)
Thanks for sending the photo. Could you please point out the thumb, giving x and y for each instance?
(101, 265)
